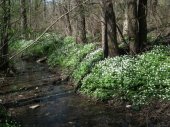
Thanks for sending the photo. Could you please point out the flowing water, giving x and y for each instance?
(54, 102)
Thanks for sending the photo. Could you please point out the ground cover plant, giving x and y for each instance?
(87, 64)
(45, 46)
(5, 119)
(136, 79)
(70, 54)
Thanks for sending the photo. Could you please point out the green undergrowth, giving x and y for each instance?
(5, 119)
(70, 54)
(136, 79)
(86, 65)
(45, 46)
(8, 123)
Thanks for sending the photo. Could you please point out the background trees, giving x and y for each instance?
(85, 23)
(5, 29)
(23, 18)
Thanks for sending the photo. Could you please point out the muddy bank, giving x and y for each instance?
(35, 97)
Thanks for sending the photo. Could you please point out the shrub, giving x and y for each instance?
(62, 50)
(5, 120)
(106, 75)
(152, 72)
(135, 79)
(18, 45)
(87, 64)
(76, 55)
(45, 46)
(70, 54)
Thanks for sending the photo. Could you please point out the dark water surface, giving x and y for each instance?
(57, 105)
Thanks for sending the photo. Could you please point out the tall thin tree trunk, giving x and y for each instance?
(30, 17)
(54, 6)
(133, 26)
(104, 35)
(70, 31)
(142, 15)
(36, 17)
(68, 22)
(156, 16)
(125, 23)
(30, 13)
(81, 23)
(5, 31)
(109, 30)
(45, 9)
(23, 18)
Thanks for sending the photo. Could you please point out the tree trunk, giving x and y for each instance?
(54, 7)
(68, 22)
(23, 19)
(109, 31)
(30, 17)
(5, 31)
(125, 23)
(156, 16)
(133, 26)
(45, 10)
(81, 24)
(104, 36)
(142, 15)
(36, 17)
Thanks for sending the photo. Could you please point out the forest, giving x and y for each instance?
(84, 63)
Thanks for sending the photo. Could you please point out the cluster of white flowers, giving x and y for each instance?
(93, 54)
(114, 65)
(139, 78)
(87, 63)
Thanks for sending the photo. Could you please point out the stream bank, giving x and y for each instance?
(36, 97)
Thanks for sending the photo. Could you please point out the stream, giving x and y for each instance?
(36, 97)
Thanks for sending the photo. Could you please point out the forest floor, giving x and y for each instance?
(38, 97)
